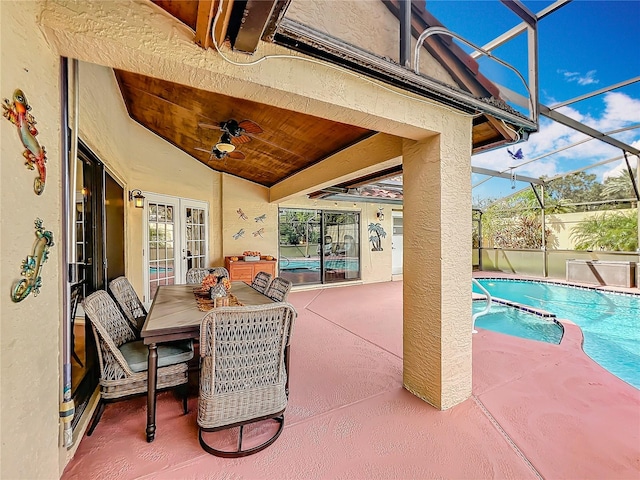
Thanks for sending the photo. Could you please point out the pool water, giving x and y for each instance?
(512, 321)
(610, 322)
(314, 264)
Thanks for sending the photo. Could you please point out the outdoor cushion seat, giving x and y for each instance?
(137, 354)
(244, 374)
(118, 379)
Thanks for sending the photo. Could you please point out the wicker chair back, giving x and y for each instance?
(196, 275)
(128, 299)
(279, 289)
(243, 375)
(261, 281)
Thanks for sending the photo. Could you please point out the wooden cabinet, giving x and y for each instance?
(245, 271)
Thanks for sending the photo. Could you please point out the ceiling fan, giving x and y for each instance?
(223, 149)
(237, 133)
(233, 134)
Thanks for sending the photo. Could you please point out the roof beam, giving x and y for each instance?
(522, 11)
(579, 126)
(203, 23)
(518, 29)
(582, 128)
(495, 173)
(377, 152)
(597, 92)
(585, 168)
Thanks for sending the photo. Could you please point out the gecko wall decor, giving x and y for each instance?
(32, 265)
(17, 112)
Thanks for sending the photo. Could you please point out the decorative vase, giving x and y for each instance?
(218, 289)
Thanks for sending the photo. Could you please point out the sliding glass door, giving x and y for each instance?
(319, 246)
(341, 235)
(299, 252)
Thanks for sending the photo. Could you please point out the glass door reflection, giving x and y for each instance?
(341, 246)
(300, 246)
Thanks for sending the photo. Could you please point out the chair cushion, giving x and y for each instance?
(137, 354)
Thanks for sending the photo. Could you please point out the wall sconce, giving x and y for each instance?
(136, 197)
(380, 214)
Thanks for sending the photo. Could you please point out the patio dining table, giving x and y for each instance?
(174, 315)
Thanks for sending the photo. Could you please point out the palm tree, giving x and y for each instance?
(515, 221)
(616, 232)
(376, 239)
(619, 187)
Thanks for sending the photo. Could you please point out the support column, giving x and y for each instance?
(437, 268)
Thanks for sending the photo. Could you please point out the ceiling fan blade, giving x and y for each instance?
(210, 126)
(236, 155)
(240, 140)
(250, 127)
(208, 150)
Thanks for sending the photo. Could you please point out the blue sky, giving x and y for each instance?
(584, 46)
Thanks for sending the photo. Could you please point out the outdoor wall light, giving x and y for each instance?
(380, 214)
(225, 145)
(136, 197)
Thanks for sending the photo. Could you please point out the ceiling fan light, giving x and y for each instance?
(225, 145)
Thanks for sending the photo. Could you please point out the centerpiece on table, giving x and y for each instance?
(217, 285)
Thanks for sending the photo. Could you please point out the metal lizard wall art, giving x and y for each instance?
(17, 112)
(32, 265)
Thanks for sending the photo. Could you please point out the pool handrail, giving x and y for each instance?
(486, 309)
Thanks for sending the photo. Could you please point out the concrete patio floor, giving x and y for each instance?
(537, 410)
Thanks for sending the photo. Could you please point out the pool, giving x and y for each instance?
(513, 321)
(343, 263)
(609, 321)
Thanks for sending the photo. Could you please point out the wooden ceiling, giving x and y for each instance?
(289, 142)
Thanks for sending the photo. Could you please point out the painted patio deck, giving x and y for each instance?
(537, 410)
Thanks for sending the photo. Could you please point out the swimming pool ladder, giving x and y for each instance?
(486, 309)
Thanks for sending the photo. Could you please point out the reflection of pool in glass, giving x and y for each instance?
(313, 264)
(160, 269)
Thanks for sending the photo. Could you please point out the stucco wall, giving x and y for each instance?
(137, 36)
(251, 199)
(367, 24)
(375, 266)
(29, 330)
(142, 160)
(561, 225)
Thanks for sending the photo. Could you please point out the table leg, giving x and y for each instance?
(152, 376)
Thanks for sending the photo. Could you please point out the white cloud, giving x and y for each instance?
(586, 79)
(622, 165)
(619, 110)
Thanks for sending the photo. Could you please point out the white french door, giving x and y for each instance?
(176, 239)
(397, 245)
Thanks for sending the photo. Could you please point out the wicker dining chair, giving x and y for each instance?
(196, 275)
(123, 360)
(244, 371)
(261, 281)
(279, 289)
(129, 302)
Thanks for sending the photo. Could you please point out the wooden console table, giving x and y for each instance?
(240, 270)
